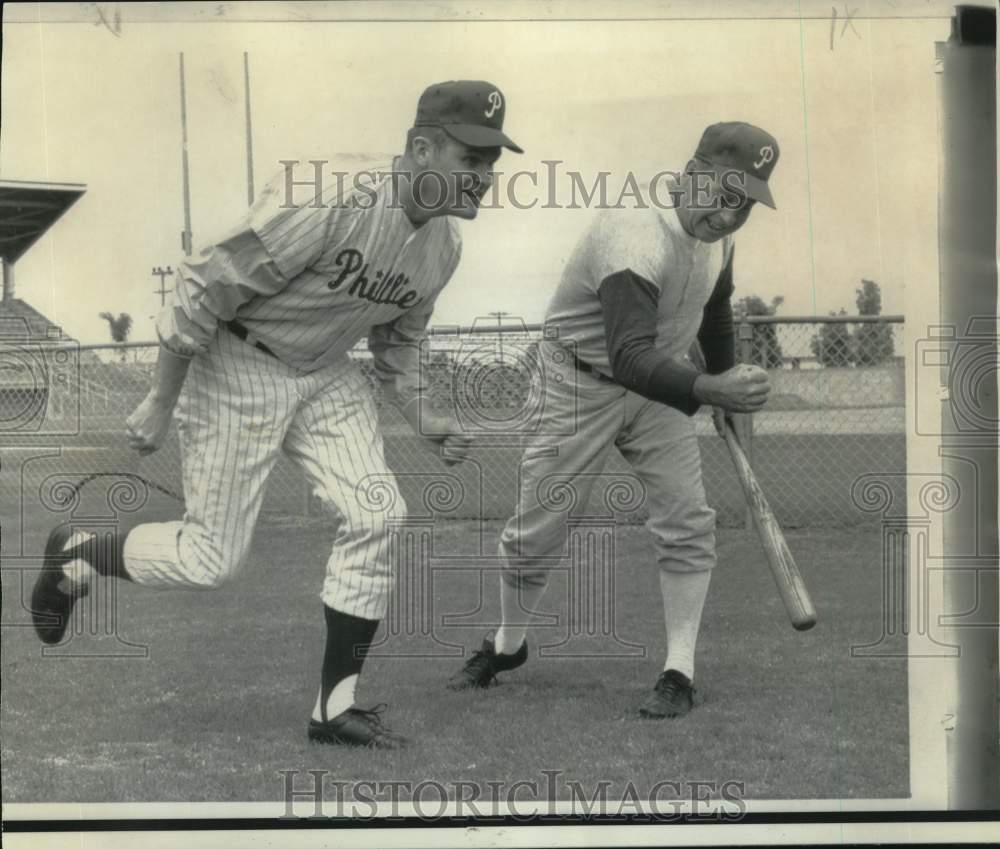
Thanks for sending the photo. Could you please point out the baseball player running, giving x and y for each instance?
(257, 333)
(641, 286)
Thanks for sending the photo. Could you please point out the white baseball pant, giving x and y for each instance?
(239, 409)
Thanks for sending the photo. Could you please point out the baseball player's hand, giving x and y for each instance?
(742, 389)
(448, 436)
(147, 427)
(455, 448)
(441, 431)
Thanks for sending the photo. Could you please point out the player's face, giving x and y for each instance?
(715, 209)
(467, 174)
(714, 225)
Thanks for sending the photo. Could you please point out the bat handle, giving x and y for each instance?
(731, 432)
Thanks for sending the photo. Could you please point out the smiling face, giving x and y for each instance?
(470, 175)
(450, 178)
(714, 203)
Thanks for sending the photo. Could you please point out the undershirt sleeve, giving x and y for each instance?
(716, 334)
(629, 305)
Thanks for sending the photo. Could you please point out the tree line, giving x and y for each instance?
(834, 345)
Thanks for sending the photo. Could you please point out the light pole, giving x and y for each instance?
(499, 314)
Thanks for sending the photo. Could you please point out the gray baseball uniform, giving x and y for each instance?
(658, 440)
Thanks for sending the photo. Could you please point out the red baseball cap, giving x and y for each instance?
(734, 145)
(469, 110)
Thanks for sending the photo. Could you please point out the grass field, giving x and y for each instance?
(220, 703)
(808, 477)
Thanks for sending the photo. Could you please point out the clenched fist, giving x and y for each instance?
(444, 432)
(455, 447)
(147, 427)
(742, 389)
(447, 434)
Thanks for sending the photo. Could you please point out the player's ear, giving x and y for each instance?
(421, 147)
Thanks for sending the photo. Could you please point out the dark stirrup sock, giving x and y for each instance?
(104, 550)
(348, 639)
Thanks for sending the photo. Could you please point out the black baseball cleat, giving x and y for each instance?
(357, 727)
(51, 604)
(480, 670)
(673, 695)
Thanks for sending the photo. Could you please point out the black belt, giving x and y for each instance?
(240, 332)
(589, 369)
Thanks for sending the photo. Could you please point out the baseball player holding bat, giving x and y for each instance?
(641, 286)
(791, 586)
(257, 333)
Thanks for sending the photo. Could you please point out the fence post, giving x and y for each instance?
(744, 421)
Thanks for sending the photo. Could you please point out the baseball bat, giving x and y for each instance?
(791, 586)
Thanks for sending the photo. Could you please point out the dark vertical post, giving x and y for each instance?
(967, 222)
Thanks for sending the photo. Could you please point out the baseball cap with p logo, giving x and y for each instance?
(471, 111)
(736, 146)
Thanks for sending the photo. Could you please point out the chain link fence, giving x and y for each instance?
(836, 413)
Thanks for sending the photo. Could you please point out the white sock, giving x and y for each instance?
(78, 572)
(339, 700)
(683, 600)
(514, 602)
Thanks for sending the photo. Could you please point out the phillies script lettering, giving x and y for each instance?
(383, 288)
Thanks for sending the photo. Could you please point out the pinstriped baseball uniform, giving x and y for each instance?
(658, 441)
(305, 277)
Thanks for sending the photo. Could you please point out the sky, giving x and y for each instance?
(852, 101)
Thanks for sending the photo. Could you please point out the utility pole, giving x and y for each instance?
(162, 273)
(498, 315)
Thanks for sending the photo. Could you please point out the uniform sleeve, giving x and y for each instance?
(211, 288)
(629, 304)
(283, 234)
(395, 346)
(716, 333)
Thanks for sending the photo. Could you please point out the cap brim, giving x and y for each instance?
(475, 135)
(757, 190)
